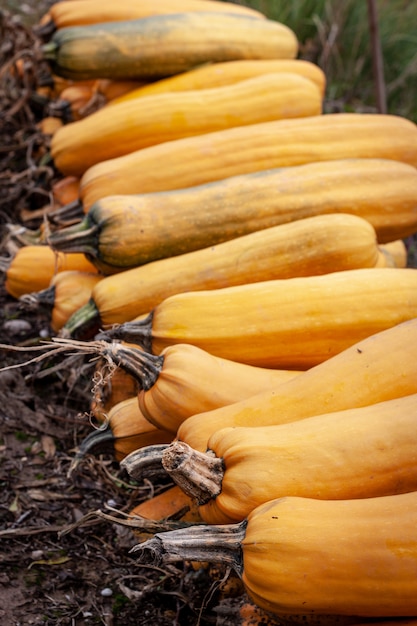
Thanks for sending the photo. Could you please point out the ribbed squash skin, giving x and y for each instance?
(135, 124)
(333, 557)
(79, 12)
(227, 73)
(378, 368)
(284, 323)
(192, 380)
(213, 156)
(356, 453)
(129, 230)
(311, 561)
(163, 45)
(33, 267)
(66, 190)
(307, 247)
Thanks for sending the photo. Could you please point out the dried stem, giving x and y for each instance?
(145, 460)
(204, 542)
(139, 332)
(198, 474)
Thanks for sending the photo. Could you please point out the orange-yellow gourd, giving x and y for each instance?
(168, 503)
(65, 190)
(184, 380)
(306, 557)
(66, 293)
(124, 431)
(79, 12)
(135, 124)
(378, 368)
(49, 125)
(33, 267)
(306, 247)
(292, 323)
(218, 74)
(355, 453)
(129, 230)
(213, 156)
(157, 46)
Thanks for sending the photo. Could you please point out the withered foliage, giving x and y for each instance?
(25, 168)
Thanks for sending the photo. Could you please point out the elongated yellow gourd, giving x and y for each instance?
(125, 430)
(305, 558)
(135, 124)
(129, 230)
(67, 292)
(163, 45)
(281, 143)
(33, 267)
(307, 247)
(217, 74)
(378, 368)
(291, 323)
(355, 453)
(79, 12)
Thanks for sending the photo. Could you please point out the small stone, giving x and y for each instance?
(17, 327)
(106, 592)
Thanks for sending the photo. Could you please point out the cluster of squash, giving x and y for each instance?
(237, 256)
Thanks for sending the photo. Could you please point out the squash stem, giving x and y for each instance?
(138, 332)
(99, 441)
(81, 237)
(67, 213)
(44, 298)
(202, 542)
(45, 31)
(49, 51)
(143, 366)
(23, 236)
(145, 460)
(198, 474)
(82, 321)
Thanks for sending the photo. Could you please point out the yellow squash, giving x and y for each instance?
(162, 45)
(217, 74)
(281, 143)
(184, 380)
(67, 292)
(379, 368)
(355, 453)
(79, 12)
(115, 131)
(124, 431)
(290, 323)
(306, 247)
(124, 231)
(33, 267)
(306, 558)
